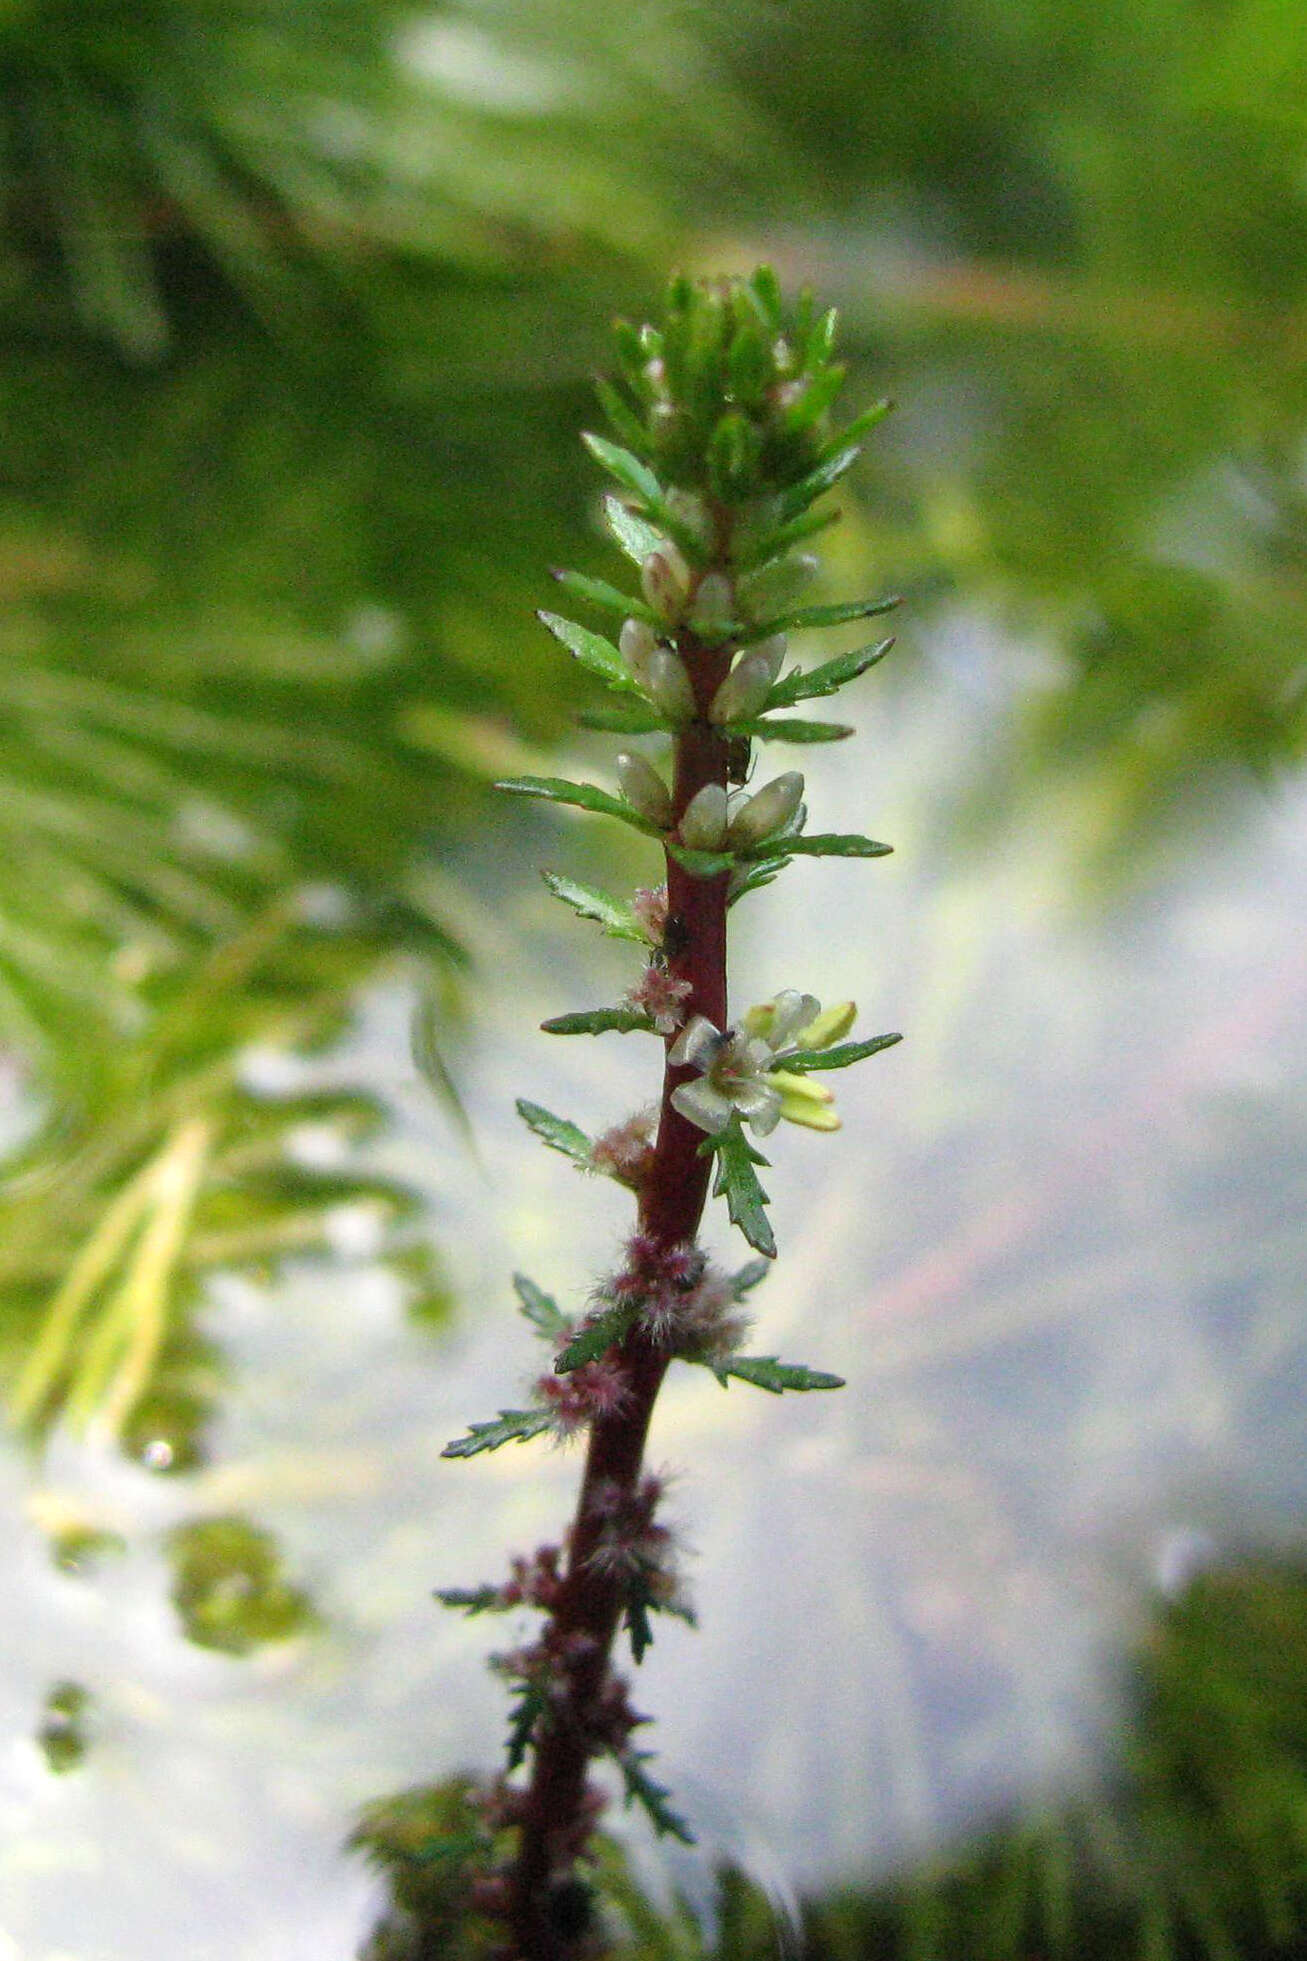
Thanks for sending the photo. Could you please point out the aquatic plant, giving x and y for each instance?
(724, 452)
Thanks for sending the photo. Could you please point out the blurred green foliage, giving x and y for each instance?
(299, 306)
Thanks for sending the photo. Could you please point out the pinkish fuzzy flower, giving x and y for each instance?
(661, 996)
(626, 1151)
(577, 1398)
(650, 908)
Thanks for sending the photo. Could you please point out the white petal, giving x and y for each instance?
(793, 1012)
(764, 1122)
(697, 1046)
(702, 1105)
(752, 1099)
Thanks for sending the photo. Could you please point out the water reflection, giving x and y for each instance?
(1055, 1253)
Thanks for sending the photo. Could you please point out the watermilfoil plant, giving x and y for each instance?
(724, 449)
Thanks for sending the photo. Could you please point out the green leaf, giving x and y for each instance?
(530, 1705)
(589, 902)
(628, 469)
(861, 425)
(509, 1427)
(703, 864)
(653, 1798)
(791, 729)
(826, 679)
(812, 618)
(595, 654)
(584, 796)
(596, 1337)
(607, 598)
(636, 536)
(632, 717)
(826, 475)
(765, 1372)
(556, 1132)
(639, 1604)
(778, 540)
(624, 420)
(475, 1600)
(829, 844)
(600, 1021)
(749, 1277)
(803, 1061)
(736, 1177)
(752, 877)
(540, 1309)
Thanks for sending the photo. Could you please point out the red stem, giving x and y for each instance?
(590, 1600)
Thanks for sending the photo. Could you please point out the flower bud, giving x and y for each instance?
(773, 806)
(703, 824)
(745, 689)
(665, 580)
(714, 604)
(637, 642)
(832, 1025)
(668, 681)
(645, 790)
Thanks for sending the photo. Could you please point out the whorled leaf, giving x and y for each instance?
(596, 1336)
(600, 1021)
(582, 796)
(765, 1372)
(802, 1062)
(540, 1308)
(509, 1427)
(826, 679)
(559, 1133)
(738, 1181)
(615, 915)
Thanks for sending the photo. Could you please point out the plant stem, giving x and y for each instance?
(588, 1610)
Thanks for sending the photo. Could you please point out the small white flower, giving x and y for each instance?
(743, 1070)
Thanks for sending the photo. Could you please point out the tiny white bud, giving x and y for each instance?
(665, 579)
(743, 692)
(638, 643)
(668, 681)
(645, 790)
(714, 604)
(772, 650)
(655, 373)
(703, 824)
(772, 807)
